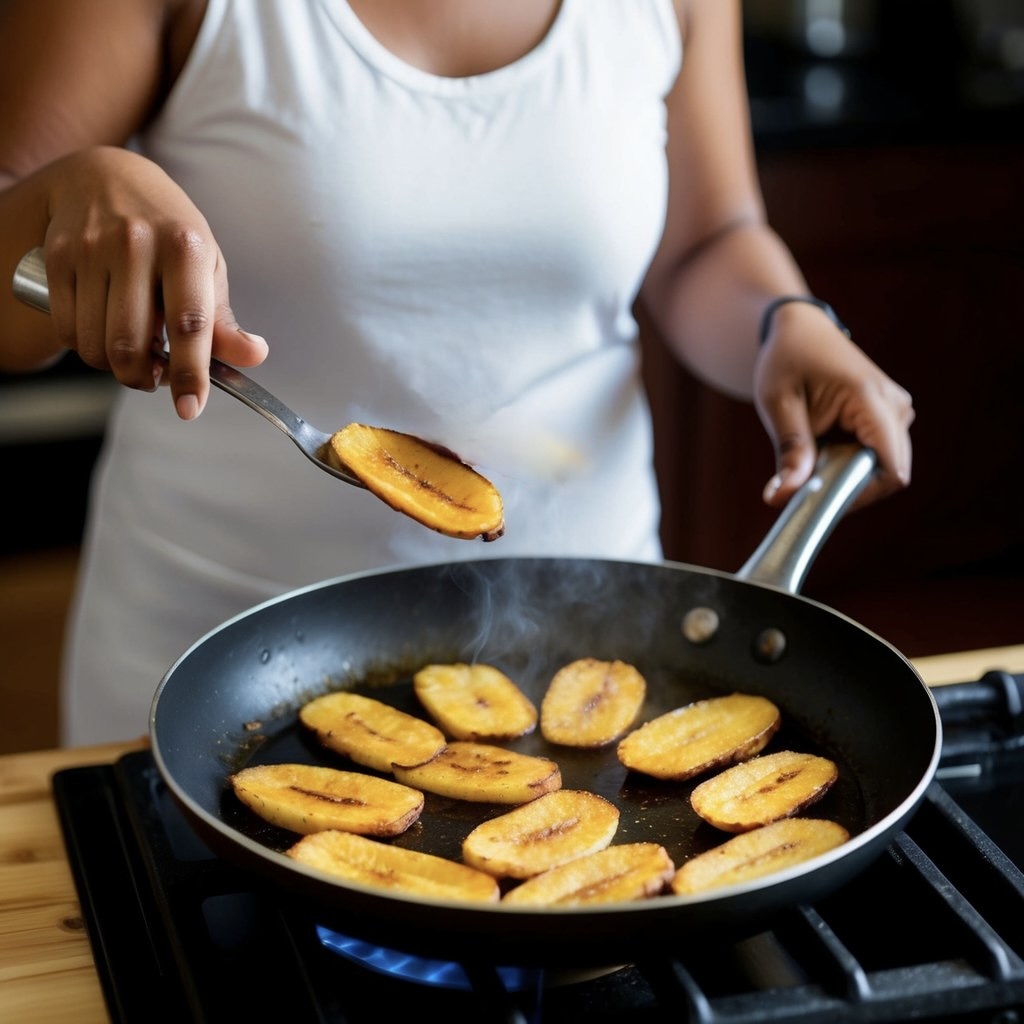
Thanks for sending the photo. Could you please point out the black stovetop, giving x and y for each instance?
(931, 931)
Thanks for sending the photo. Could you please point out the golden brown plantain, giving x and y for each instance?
(391, 867)
(369, 731)
(760, 852)
(763, 790)
(483, 773)
(695, 738)
(551, 830)
(632, 871)
(425, 481)
(475, 702)
(308, 798)
(591, 703)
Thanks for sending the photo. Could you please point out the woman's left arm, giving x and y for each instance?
(720, 265)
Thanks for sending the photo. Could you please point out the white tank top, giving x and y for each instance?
(456, 258)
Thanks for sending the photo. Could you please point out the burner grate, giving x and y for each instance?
(933, 930)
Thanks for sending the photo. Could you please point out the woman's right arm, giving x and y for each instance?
(121, 238)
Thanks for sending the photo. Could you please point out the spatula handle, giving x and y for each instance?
(30, 281)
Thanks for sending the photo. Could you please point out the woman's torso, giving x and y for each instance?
(452, 256)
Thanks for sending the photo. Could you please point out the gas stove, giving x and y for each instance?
(931, 931)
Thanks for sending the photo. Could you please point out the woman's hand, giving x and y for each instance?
(811, 380)
(127, 256)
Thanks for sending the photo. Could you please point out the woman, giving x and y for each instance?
(439, 213)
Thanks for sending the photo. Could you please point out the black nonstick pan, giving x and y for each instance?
(232, 698)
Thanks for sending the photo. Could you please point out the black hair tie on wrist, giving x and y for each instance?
(769, 313)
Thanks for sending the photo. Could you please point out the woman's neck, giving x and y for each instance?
(457, 38)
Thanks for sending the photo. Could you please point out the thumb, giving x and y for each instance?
(233, 344)
(796, 452)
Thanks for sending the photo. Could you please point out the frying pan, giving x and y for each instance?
(232, 698)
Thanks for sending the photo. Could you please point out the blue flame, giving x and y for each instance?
(438, 973)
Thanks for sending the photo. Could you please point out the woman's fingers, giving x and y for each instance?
(834, 391)
(131, 327)
(189, 299)
(879, 415)
(789, 428)
(131, 260)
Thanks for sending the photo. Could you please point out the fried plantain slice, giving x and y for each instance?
(483, 773)
(763, 789)
(425, 481)
(632, 871)
(591, 703)
(759, 852)
(551, 830)
(474, 702)
(390, 867)
(698, 737)
(309, 798)
(369, 731)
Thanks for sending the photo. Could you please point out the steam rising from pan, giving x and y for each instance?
(513, 603)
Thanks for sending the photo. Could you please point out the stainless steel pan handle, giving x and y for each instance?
(785, 555)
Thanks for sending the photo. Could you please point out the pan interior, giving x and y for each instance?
(651, 810)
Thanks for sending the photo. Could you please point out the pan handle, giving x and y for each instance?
(784, 557)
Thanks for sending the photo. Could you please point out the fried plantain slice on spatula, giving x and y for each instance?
(425, 481)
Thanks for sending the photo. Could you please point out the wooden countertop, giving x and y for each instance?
(47, 974)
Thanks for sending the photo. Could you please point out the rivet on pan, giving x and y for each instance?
(770, 645)
(700, 625)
